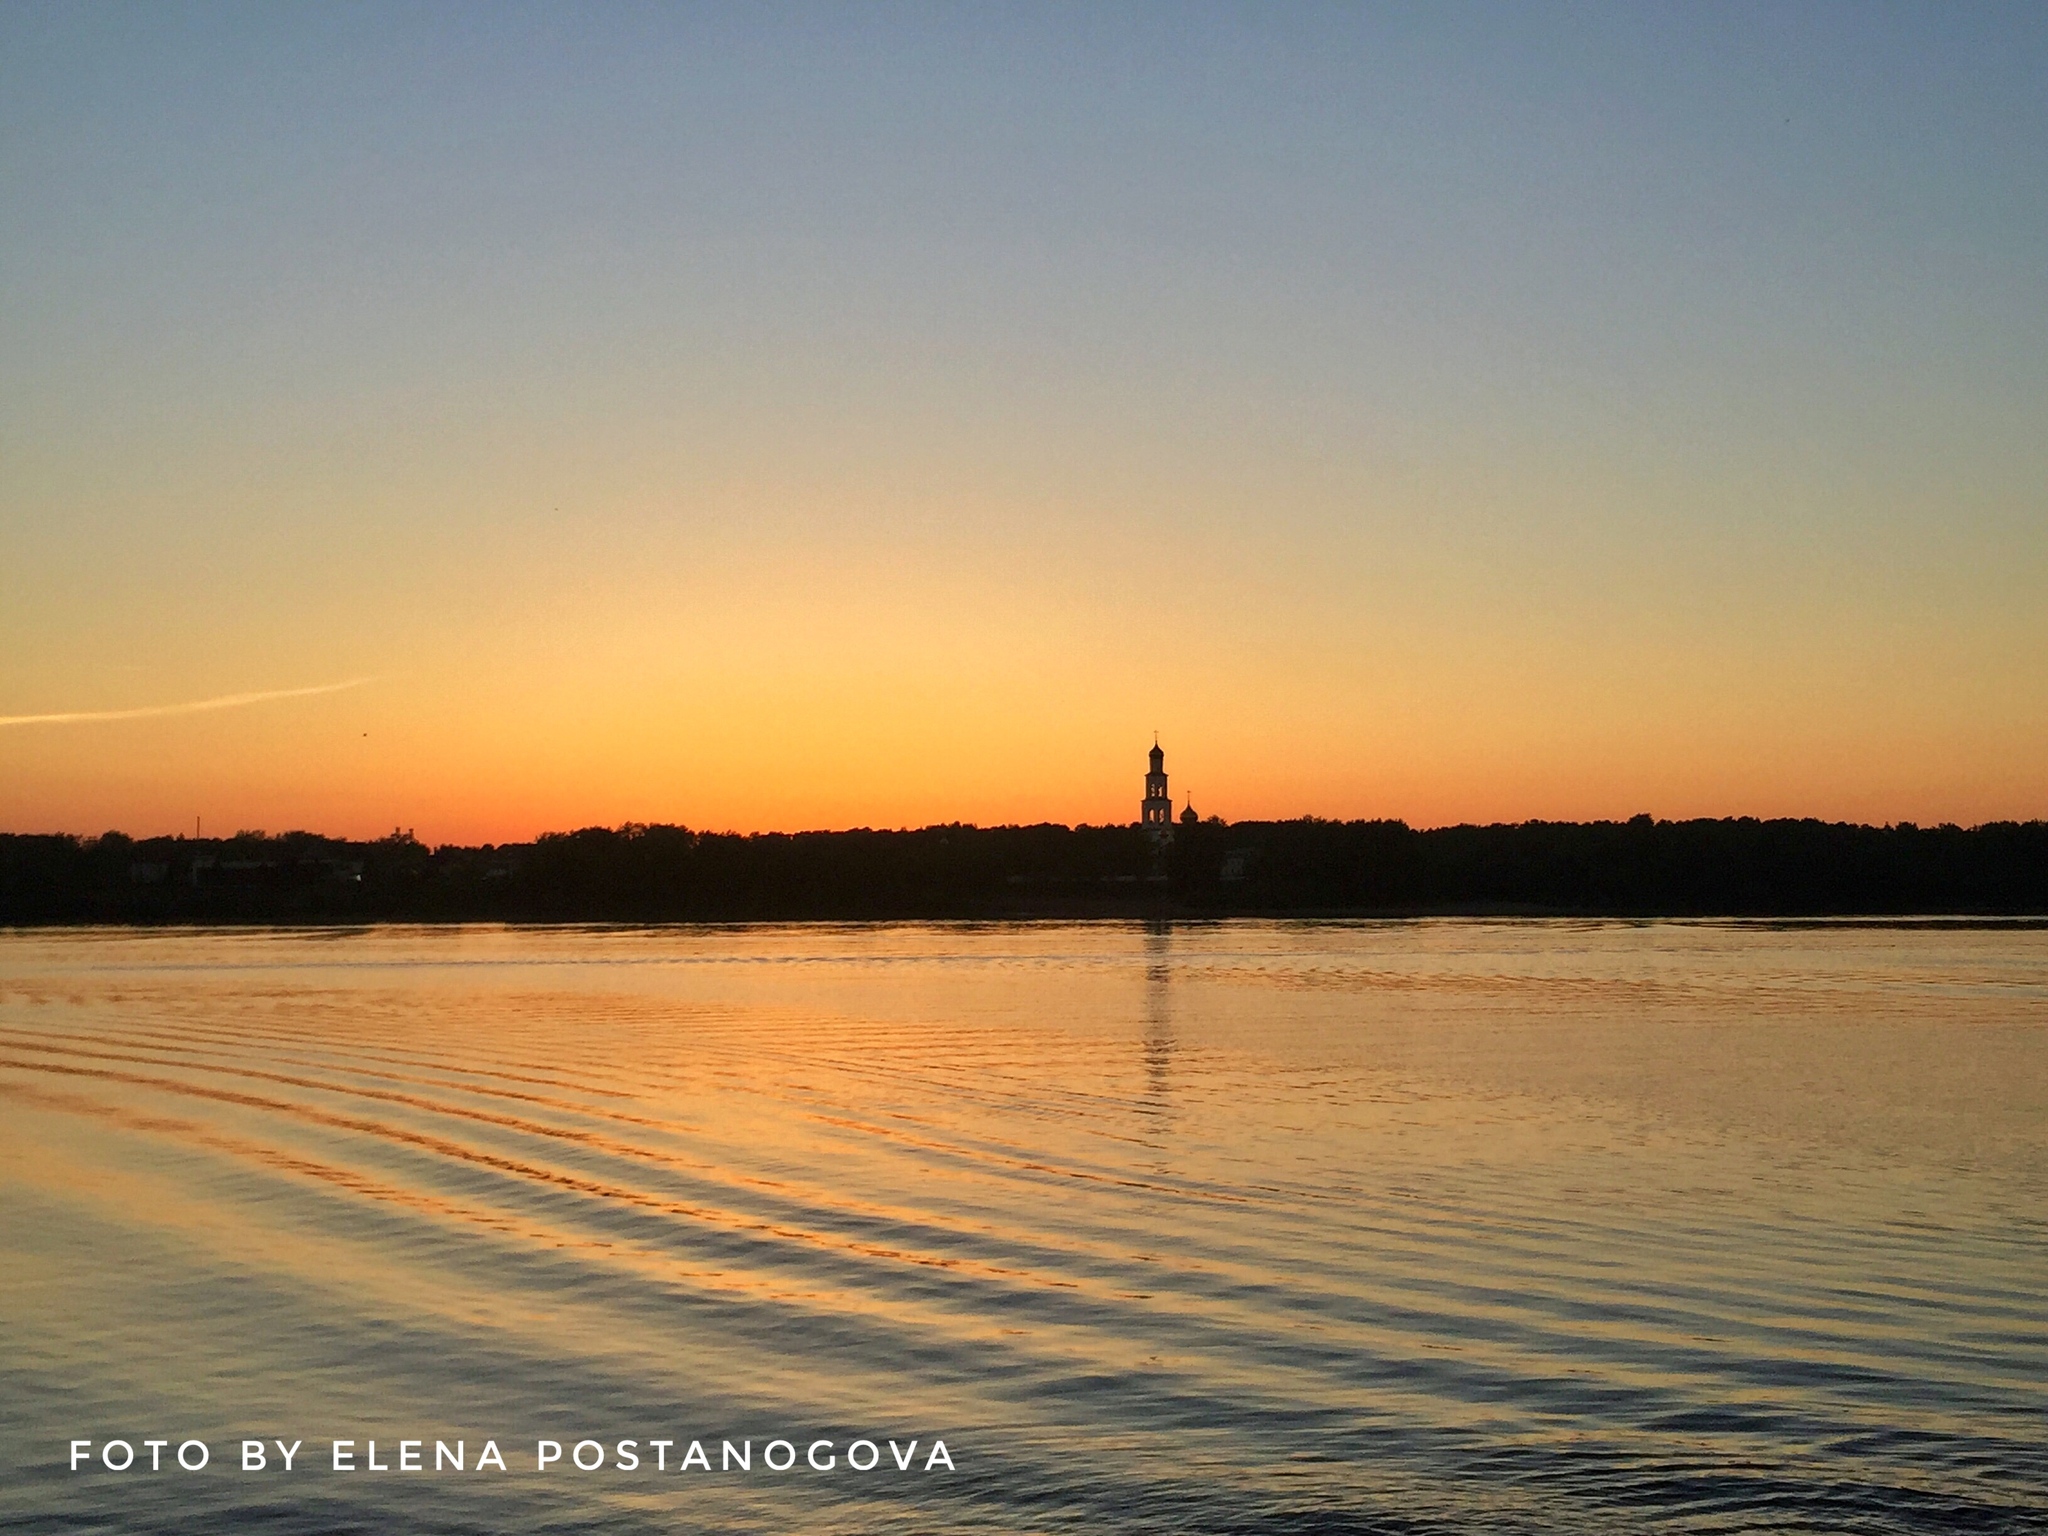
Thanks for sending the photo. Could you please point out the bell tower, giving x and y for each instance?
(1156, 814)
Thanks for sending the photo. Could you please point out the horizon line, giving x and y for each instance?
(1080, 826)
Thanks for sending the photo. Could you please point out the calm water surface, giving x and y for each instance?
(1409, 1227)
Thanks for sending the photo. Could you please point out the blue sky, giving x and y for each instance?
(1450, 412)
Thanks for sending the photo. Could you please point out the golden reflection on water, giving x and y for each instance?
(1548, 1225)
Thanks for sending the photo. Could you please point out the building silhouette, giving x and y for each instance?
(1155, 815)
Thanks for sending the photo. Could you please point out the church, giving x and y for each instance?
(1155, 813)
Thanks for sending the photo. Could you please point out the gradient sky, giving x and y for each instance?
(768, 418)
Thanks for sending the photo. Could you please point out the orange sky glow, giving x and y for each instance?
(776, 427)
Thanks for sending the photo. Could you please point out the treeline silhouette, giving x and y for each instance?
(1735, 867)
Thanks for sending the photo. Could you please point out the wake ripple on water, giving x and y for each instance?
(1242, 1227)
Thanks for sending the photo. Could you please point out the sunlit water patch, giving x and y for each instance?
(1440, 1226)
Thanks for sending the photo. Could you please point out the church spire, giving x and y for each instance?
(1155, 815)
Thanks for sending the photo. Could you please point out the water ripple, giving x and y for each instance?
(1239, 1227)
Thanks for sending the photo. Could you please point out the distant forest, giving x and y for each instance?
(1738, 867)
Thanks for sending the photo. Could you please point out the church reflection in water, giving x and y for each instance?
(1158, 947)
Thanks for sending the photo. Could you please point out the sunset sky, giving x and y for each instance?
(759, 417)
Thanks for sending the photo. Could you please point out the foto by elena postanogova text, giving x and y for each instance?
(585, 1455)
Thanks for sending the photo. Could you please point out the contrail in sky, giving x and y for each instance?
(225, 701)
